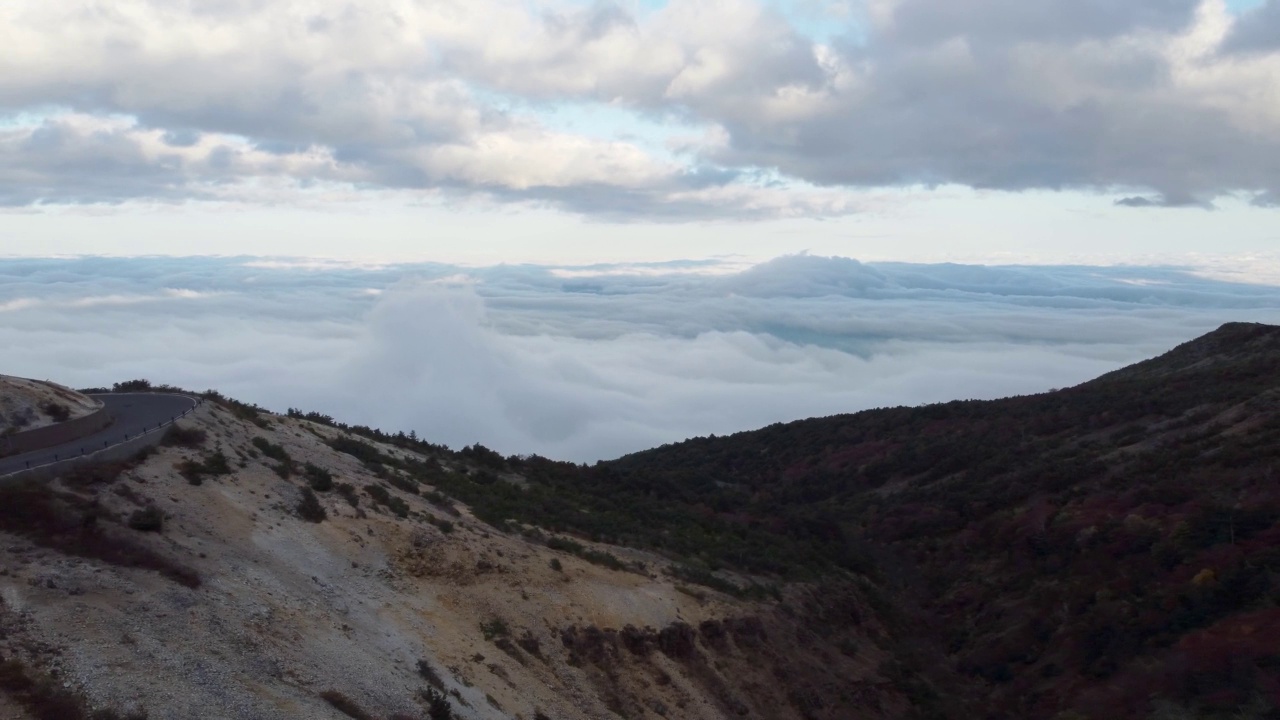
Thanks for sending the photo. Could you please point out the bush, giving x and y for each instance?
(497, 627)
(75, 526)
(438, 707)
(148, 519)
(386, 499)
(320, 479)
(46, 699)
(429, 674)
(565, 545)
(309, 507)
(179, 436)
(56, 411)
(344, 705)
(348, 492)
(556, 565)
(402, 484)
(359, 450)
(215, 464)
(275, 452)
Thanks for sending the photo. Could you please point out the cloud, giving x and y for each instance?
(1258, 30)
(1170, 99)
(1163, 201)
(590, 362)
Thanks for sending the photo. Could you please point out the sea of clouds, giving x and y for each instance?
(585, 363)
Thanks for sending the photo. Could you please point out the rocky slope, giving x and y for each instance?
(232, 605)
(29, 404)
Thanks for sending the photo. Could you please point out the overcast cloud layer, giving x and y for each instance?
(591, 362)
(711, 108)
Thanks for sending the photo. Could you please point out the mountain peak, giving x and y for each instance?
(1232, 343)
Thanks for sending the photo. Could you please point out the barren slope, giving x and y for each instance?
(28, 404)
(377, 607)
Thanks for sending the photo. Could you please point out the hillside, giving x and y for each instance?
(262, 566)
(1110, 550)
(30, 404)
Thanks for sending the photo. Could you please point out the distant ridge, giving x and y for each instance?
(1232, 343)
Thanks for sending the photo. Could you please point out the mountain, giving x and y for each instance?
(1110, 550)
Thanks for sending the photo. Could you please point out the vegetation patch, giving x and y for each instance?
(345, 705)
(75, 526)
(184, 437)
(147, 519)
(46, 698)
(285, 468)
(318, 478)
(56, 411)
(309, 507)
(216, 463)
(383, 497)
(348, 493)
(494, 628)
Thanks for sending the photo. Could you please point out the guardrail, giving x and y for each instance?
(111, 450)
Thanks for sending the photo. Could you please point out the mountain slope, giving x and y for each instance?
(1111, 549)
(260, 566)
(1106, 551)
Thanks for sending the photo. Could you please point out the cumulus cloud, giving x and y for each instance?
(1164, 102)
(584, 363)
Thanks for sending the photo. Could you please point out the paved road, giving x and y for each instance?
(134, 414)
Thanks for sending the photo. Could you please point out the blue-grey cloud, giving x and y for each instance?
(1258, 30)
(1164, 102)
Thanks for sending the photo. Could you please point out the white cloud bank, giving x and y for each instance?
(588, 363)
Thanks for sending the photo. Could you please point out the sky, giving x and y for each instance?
(640, 130)
(583, 228)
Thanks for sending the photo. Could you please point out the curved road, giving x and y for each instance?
(134, 414)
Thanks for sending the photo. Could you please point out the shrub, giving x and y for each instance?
(320, 479)
(565, 545)
(309, 507)
(429, 674)
(46, 699)
(76, 526)
(497, 627)
(148, 519)
(275, 452)
(384, 498)
(438, 707)
(94, 473)
(56, 411)
(179, 436)
(441, 501)
(555, 565)
(359, 450)
(344, 705)
(402, 484)
(215, 464)
(348, 492)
